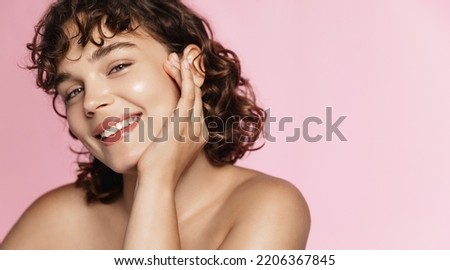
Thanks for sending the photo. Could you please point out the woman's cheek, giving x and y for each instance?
(139, 87)
(74, 125)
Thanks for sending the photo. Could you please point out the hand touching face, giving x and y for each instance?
(118, 95)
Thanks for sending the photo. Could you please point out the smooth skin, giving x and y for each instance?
(173, 197)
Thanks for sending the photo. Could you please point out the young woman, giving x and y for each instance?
(164, 112)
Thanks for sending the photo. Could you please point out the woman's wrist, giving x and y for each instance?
(157, 180)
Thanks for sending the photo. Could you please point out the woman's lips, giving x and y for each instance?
(120, 134)
(113, 129)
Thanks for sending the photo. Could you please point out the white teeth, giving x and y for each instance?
(107, 133)
(118, 126)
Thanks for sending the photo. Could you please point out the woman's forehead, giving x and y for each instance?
(102, 45)
(99, 37)
(77, 29)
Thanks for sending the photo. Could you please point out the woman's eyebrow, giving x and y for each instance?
(96, 55)
(60, 78)
(103, 51)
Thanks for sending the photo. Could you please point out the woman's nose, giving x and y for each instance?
(96, 98)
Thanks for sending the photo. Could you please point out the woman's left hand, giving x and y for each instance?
(186, 128)
(153, 222)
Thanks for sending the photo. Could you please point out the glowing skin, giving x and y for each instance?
(129, 77)
(173, 198)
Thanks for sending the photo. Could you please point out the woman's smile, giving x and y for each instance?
(164, 113)
(112, 91)
(115, 129)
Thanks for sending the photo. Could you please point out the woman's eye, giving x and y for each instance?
(74, 93)
(118, 68)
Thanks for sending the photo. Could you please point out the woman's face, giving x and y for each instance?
(117, 96)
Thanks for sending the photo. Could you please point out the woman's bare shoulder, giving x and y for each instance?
(50, 221)
(258, 187)
(272, 214)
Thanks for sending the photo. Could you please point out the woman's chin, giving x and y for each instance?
(125, 169)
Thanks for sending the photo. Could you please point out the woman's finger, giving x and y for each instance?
(187, 98)
(173, 68)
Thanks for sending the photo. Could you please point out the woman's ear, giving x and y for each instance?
(194, 56)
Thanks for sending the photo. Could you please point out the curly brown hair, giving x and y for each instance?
(226, 94)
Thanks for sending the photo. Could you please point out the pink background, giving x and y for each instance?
(384, 64)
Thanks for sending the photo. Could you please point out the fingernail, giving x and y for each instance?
(175, 58)
(172, 59)
(185, 64)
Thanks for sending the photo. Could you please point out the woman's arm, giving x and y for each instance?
(272, 212)
(153, 222)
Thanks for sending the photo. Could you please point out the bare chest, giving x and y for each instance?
(205, 229)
